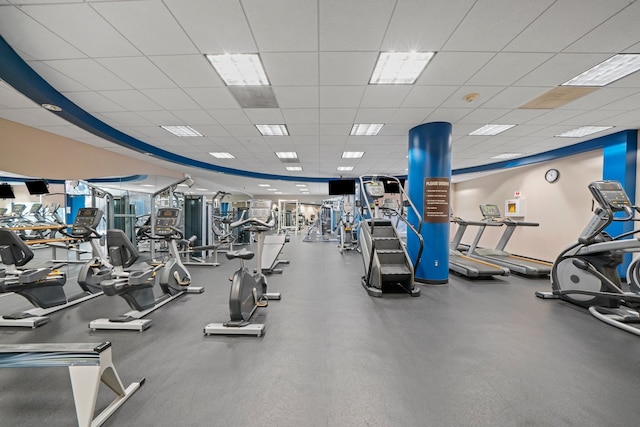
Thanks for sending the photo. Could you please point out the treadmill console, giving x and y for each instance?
(87, 219)
(167, 220)
(375, 189)
(490, 211)
(610, 195)
(18, 209)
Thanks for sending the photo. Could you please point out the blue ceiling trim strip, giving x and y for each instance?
(129, 178)
(24, 79)
(582, 147)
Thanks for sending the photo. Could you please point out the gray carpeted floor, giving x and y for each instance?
(470, 353)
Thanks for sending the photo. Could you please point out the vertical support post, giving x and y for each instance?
(429, 181)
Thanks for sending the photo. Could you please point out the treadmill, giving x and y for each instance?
(466, 265)
(526, 266)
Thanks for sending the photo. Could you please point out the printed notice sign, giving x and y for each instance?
(436, 200)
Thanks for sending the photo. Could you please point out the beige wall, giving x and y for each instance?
(562, 209)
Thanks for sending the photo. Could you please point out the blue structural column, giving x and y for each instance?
(619, 164)
(429, 181)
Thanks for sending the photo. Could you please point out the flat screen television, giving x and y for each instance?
(38, 186)
(6, 192)
(339, 187)
(391, 186)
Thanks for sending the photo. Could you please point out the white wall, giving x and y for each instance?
(562, 208)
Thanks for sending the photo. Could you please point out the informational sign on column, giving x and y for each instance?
(436, 200)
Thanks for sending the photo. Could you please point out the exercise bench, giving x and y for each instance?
(89, 365)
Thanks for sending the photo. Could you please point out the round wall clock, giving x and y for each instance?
(552, 175)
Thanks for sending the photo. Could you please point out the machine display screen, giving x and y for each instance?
(87, 212)
(168, 213)
(490, 211)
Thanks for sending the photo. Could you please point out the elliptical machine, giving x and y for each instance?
(586, 273)
(248, 291)
(137, 287)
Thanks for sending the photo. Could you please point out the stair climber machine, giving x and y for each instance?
(137, 288)
(388, 267)
(248, 290)
(585, 273)
(526, 266)
(466, 265)
(43, 286)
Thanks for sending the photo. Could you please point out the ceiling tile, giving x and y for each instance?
(453, 68)
(341, 96)
(506, 68)
(89, 73)
(55, 78)
(337, 115)
(212, 98)
(561, 68)
(506, 19)
(291, 69)
(188, 70)
(346, 68)
(283, 25)
(301, 115)
(148, 25)
(427, 96)
(267, 116)
(374, 115)
(356, 25)
(93, 102)
(80, 25)
(139, 72)
(131, 100)
(230, 116)
(296, 97)
(384, 95)
(514, 97)
(171, 99)
(215, 26)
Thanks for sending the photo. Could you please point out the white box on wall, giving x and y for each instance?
(515, 208)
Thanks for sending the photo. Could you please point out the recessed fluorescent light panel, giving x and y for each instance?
(294, 168)
(223, 155)
(301, 185)
(273, 130)
(606, 72)
(491, 129)
(352, 154)
(239, 69)
(264, 185)
(182, 130)
(345, 168)
(507, 155)
(366, 129)
(399, 68)
(287, 154)
(583, 131)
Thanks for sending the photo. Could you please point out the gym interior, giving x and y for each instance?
(317, 241)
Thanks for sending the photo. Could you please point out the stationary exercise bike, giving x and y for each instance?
(248, 290)
(586, 273)
(137, 287)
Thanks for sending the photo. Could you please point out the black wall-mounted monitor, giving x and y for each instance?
(341, 187)
(37, 187)
(391, 185)
(6, 192)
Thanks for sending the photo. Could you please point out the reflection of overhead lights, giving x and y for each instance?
(272, 189)
(202, 189)
(399, 67)
(264, 185)
(287, 154)
(491, 129)
(606, 72)
(294, 168)
(51, 107)
(301, 185)
(583, 131)
(345, 168)
(147, 185)
(507, 155)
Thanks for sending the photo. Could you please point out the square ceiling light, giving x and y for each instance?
(294, 168)
(182, 130)
(352, 154)
(345, 168)
(366, 129)
(583, 131)
(239, 69)
(491, 129)
(399, 68)
(606, 72)
(273, 130)
(287, 154)
(223, 155)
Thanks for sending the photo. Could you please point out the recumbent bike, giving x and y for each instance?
(137, 289)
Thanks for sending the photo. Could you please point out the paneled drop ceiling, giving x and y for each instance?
(139, 64)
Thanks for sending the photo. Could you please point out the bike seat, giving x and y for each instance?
(242, 254)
